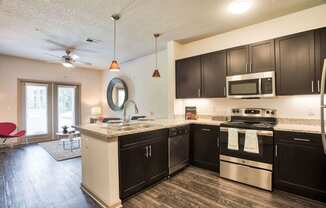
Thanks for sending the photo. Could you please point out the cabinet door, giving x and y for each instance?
(213, 74)
(132, 170)
(188, 78)
(237, 60)
(295, 69)
(320, 41)
(262, 57)
(300, 164)
(157, 166)
(205, 146)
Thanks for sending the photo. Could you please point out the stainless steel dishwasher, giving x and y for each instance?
(178, 148)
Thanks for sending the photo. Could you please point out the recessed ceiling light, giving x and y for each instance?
(239, 6)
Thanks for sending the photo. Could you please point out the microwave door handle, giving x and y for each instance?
(259, 86)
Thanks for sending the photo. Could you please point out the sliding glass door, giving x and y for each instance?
(46, 107)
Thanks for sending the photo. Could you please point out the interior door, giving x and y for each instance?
(36, 110)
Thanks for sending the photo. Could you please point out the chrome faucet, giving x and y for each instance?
(125, 106)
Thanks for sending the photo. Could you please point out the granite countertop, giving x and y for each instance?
(102, 130)
(302, 128)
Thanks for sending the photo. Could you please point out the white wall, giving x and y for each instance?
(14, 68)
(150, 94)
(287, 106)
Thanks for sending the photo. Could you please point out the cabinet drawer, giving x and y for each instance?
(141, 138)
(298, 138)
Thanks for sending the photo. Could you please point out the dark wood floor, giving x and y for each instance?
(31, 178)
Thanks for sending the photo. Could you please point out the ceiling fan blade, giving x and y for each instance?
(85, 63)
(85, 50)
(61, 45)
(48, 54)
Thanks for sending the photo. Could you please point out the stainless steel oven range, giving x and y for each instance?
(247, 147)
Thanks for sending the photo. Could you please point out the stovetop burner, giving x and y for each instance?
(246, 125)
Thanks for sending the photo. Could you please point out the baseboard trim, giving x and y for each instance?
(99, 201)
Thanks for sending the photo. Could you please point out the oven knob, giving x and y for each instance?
(268, 112)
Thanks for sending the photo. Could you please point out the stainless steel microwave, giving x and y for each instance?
(253, 85)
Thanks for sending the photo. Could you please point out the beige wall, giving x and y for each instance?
(287, 106)
(14, 68)
(150, 94)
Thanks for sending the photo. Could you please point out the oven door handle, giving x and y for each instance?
(243, 131)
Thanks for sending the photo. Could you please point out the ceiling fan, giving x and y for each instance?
(69, 60)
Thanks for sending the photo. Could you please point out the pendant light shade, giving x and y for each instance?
(115, 65)
(156, 73)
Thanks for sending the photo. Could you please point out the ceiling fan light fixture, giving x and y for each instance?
(68, 65)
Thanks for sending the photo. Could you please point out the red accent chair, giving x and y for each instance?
(7, 129)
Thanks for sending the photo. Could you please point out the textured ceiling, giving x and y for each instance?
(35, 28)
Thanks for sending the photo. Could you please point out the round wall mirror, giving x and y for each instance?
(117, 94)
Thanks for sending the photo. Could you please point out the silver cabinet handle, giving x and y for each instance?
(224, 91)
(198, 92)
(301, 140)
(318, 85)
(206, 129)
(312, 86)
(150, 150)
(146, 154)
(276, 150)
(250, 69)
(246, 67)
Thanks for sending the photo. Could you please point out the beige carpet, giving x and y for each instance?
(60, 152)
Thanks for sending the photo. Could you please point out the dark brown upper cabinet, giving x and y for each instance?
(213, 74)
(254, 58)
(262, 56)
(188, 77)
(237, 60)
(295, 64)
(201, 76)
(320, 50)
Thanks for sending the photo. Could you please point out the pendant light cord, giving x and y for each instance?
(156, 57)
(114, 39)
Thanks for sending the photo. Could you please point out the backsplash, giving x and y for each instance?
(302, 106)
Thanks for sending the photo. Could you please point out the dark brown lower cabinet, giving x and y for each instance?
(143, 160)
(300, 164)
(205, 146)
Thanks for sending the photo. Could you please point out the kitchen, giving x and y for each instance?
(225, 110)
(285, 148)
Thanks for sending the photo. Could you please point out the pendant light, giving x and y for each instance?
(156, 73)
(115, 65)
